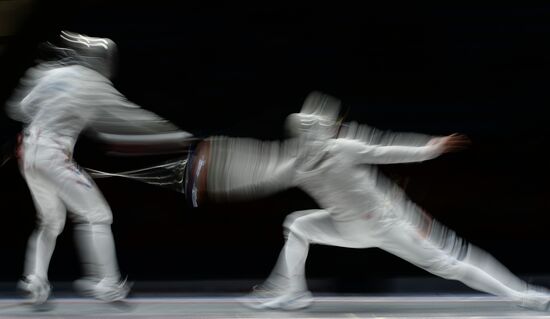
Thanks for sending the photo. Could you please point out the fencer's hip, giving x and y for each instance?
(52, 167)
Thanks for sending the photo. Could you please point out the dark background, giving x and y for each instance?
(481, 70)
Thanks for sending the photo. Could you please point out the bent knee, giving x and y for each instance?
(100, 215)
(299, 227)
(53, 227)
(292, 218)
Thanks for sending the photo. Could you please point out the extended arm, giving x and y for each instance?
(129, 129)
(362, 153)
(240, 168)
(373, 136)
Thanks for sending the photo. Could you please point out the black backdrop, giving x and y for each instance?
(239, 70)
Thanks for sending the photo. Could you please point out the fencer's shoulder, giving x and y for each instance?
(45, 78)
(59, 75)
(65, 70)
(76, 72)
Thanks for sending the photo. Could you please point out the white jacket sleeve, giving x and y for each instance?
(373, 136)
(242, 168)
(130, 128)
(361, 153)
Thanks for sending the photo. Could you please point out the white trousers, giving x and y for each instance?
(56, 184)
(470, 265)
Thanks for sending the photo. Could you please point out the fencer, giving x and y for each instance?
(336, 165)
(58, 99)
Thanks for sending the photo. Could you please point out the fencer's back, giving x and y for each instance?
(61, 101)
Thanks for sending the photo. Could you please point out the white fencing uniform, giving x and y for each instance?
(361, 211)
(57, 103)
(360, 207)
